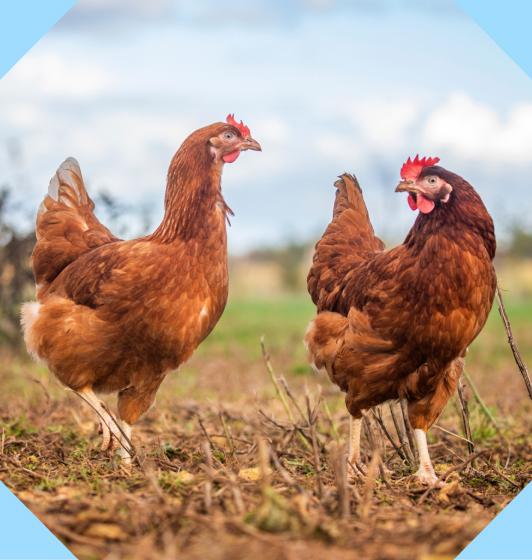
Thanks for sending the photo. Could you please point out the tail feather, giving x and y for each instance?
(66, 225)
(66, 187)
(348, 194)
(348, 240)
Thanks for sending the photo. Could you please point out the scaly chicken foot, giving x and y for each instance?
(425, 472)
(125, 450)
(354, 455)
(109, 428)
(355, 429)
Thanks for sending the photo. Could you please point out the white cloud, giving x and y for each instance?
(472, 130)
(365, 132)
(53, 74)
(383, 123)
(94, 13)
(336, 147)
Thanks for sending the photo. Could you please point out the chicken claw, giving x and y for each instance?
(428, 478)
(106, 436)
(425, 474)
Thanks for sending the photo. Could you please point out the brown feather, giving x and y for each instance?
(118, 315)
(408, 313)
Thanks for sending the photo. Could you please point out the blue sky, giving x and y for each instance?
(325, 86)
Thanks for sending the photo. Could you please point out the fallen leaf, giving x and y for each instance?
(442, 468)
(250, 474)
(448, 491)
(106, 531)
(184, 477)
(221, 442)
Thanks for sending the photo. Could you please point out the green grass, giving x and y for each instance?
(281, 320)
(491, 350)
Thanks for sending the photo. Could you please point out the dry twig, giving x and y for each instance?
(398, 448)
(408, 427)
(513, 345)
(464, 410)
(401, 433)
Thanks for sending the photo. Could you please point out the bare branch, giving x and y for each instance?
(513, 345)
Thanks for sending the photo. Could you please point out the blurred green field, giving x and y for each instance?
(282, 321)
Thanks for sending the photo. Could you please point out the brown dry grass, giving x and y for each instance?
(225, 472)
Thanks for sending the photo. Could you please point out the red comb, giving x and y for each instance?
(412, 167)
(244, 130)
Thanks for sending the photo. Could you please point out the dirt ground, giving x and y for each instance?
(236, 462)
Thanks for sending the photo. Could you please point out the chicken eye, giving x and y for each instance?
(431, 180)
(229, 135)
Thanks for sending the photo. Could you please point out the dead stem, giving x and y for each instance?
(457, 436)
(207, 486)
(464, 410)
(286, 476)
(406, 421)
(513, 345)
(401, 433)
(339, 464)
(204, 430)
(378, 417)
(373, 444)
(280, 394)
(484, 408)
(227, 432)
(460, 467)
(264, 462)
(316, 460)
(334, 429)
(369, 485)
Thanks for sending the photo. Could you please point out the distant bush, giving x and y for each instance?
(290, 258)
(521, 243)
(16, 278)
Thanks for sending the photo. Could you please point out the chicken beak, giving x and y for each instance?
(250, 144)
(406, 186)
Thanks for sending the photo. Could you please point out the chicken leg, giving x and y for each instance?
(108, 423)
(133, 402)
(355, 429)
(424, 412)
(125, 448)
(425, 472)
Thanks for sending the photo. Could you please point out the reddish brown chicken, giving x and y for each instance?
(117, 316)
(396, 323)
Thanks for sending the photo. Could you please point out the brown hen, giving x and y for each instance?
(117, 316)
(396, 323)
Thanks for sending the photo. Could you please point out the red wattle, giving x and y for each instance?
(229, 158)
(421, 203)
(424, 204)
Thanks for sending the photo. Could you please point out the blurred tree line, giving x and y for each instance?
(16, 278)
(289, 258)
(520, 243)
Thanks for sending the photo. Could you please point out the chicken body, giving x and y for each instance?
(117, 316)
(396, 324)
